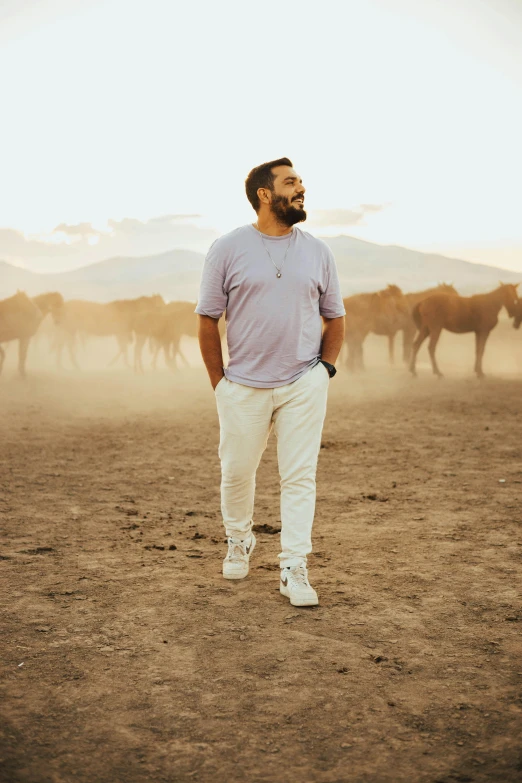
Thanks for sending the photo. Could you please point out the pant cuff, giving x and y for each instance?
(239, 534)
(292, 562)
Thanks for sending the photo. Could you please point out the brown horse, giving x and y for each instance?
(461, 314)
(518, 315)
(81, 317)
(159, 325)
(410, 328)
(383, 313)
(164, 328)
(28, 321)
(20, 317)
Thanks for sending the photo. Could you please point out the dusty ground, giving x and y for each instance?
(125, 657)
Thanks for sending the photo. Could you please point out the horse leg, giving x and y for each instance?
(408, 335)
(122, 351)
(360, 354)
(434, 339)
(138, 349)
(58, 348)
(23, 345)
(125, 342)
(183, 357)
(170, 359)
(419, 339)
(2, 357)
(391, 349)
(480, 344)
(70, 348)
(155, 346)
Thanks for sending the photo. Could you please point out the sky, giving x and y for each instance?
(128, 126)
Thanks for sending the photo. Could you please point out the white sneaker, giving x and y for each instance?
(236, 563)
(295, 585)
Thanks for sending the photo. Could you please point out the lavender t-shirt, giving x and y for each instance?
(274, 326)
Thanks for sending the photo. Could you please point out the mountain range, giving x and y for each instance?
(362, 266)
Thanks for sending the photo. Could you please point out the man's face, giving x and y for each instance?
(288, 196)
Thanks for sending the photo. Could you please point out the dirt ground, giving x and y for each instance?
(126, 657)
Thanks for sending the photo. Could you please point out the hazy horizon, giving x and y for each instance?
(117, 244)
(402, 118)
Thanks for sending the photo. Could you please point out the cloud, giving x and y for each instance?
(174, 218)
(73, 245)
(15, 245)
(373, 207)
(343, 217)
(80, 230)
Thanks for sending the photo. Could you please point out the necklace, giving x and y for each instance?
(278, 268)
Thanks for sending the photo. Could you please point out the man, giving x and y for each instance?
(275, 282)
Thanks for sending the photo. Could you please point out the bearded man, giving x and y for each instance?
(275, 282)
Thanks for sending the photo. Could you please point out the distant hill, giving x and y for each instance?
(175, 275)
(363, 266)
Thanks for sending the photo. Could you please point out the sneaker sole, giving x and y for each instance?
(298, 601)
(241, 575)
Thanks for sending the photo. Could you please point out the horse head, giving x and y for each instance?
(397, 298)
(392, 290)
(156, 300)
(51, 302)
(447, 288)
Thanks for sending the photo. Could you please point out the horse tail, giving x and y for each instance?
(416, 315)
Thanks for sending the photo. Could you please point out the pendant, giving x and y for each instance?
(278, 274)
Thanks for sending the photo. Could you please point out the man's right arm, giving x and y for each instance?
(212, 303)
(210, 346)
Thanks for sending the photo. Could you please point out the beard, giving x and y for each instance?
(286, 212)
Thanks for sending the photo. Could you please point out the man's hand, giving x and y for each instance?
(333, 336)
(210, 346)
(215, 383)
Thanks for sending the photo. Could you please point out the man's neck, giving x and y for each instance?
(269, 225)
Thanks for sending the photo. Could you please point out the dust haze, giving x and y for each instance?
(127, 657)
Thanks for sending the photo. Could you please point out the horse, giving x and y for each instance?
(518, 315)
(29, 321)
(383, 313)
(164, 328)
(20, 317)
(409, 329)
(116, 318)
(461, 314)
(161, 327)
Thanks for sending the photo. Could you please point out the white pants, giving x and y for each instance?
(246, 416)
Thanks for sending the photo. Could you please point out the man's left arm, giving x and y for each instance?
(333, 336)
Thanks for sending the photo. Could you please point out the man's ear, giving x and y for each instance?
(264, 195)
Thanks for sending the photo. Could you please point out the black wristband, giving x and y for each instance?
(330, 367)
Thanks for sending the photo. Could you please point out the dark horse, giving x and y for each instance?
(461, 314)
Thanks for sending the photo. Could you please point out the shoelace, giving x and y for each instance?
(236, 551)
(299, 576)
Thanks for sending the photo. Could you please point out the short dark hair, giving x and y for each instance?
(262, 177)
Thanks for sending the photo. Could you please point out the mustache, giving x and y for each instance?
(298, 198)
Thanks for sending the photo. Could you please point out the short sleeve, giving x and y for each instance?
(212, 299)
(330, 300)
